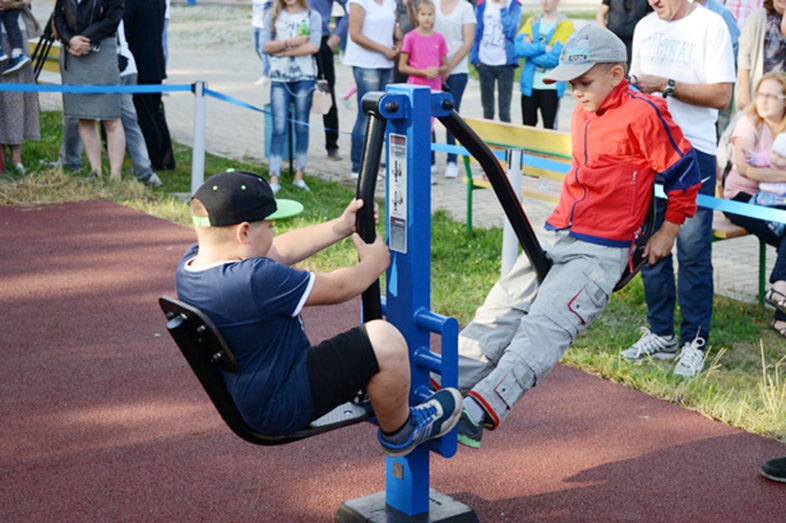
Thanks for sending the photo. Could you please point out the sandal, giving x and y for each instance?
(779, 330)
(776, 298)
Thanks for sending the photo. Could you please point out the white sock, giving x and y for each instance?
(473, 408)
(16, 52)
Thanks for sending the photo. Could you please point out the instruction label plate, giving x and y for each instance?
(397, 193)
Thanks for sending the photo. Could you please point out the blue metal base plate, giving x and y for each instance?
(372, 508)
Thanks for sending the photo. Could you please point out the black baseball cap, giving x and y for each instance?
(232, 197)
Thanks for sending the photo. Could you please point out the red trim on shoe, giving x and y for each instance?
(434, 383)
(492, 415)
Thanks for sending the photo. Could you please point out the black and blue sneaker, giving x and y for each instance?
(469, 432)
(15, 63)
(431, 419)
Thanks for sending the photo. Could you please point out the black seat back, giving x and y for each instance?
(206, 352)
(637, 259)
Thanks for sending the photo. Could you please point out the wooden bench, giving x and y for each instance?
(545, 183)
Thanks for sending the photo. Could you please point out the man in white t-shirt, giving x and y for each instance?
(684, 52)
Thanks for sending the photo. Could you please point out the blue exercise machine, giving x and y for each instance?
(399, 118)
(399, 122)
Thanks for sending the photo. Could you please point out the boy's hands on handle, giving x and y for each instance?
(346, 222)
(662, 242)
(375, 253)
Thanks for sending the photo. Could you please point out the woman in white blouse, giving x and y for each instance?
(370, 51)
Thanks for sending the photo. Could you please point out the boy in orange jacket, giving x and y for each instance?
(621, 140)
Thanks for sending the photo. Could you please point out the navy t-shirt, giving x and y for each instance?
(256, 305)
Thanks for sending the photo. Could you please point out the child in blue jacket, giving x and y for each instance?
(539, 42)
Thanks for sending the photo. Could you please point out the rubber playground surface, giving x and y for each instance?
(102, 420)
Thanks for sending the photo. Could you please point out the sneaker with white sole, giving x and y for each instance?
(3, 56)
(651, 345)
(691, 358)
(153, 181)
(451, 171)
(301, 184)
(16, 63)
(431, 419)
(275, 187)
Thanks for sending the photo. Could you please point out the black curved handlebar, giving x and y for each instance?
(373, 146)
(505, 194)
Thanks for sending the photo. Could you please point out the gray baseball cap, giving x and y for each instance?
(588, 46)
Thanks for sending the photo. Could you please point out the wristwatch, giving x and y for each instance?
(669, 90)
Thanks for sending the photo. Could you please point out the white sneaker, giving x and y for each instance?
(434, 169)
(691, 359)
(262, 81)
(301, 184)
(275, 187)
(354, 175)
(651, 345)
(153, 181)
(451, 171)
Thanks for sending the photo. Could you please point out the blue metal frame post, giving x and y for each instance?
(408, 110)
(409, 275)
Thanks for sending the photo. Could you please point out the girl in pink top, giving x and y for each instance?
(424, 51)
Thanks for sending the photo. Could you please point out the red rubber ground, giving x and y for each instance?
(101, 420)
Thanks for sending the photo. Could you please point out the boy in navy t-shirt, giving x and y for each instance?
(240, 275)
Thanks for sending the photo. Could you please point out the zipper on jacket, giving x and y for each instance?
(586, 161)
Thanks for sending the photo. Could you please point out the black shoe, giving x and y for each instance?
(775, 469)
(469, 432)
(334, 155)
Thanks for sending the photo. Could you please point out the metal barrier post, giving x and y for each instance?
(198, 149)
(510, 244)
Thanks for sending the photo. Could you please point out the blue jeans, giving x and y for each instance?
(281, 95)
(456, 84)
(367, 80)
(694, 282)
(502, 75)
(258, 50)
(135, 141)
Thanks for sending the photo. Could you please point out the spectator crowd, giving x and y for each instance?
(719, 65)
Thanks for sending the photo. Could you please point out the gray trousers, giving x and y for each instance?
(522, 330)
(71, 150)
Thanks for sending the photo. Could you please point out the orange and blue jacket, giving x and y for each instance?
(618, 151)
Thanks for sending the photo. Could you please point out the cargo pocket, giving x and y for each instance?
(514, 384)
(588, 303)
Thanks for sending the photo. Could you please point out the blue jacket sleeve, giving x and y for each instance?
(511, 18)
(473, 53)
(551, 58)
(527, 49)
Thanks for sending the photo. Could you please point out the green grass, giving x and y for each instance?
(743, 383)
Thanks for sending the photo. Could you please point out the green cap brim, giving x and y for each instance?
(286, 209)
